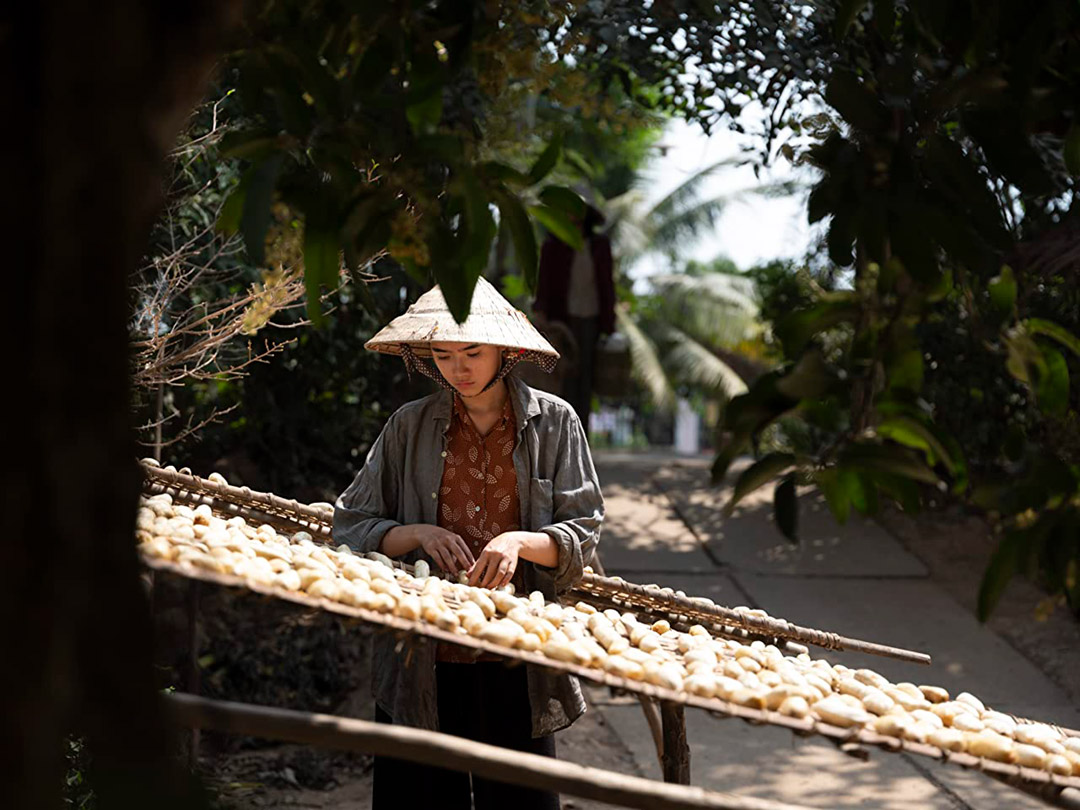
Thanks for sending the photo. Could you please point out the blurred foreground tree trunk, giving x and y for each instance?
(94, 97)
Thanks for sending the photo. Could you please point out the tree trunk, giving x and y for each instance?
(95, 94)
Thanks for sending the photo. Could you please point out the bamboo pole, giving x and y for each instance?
(455, 753)
(239, 494)
(759, 624)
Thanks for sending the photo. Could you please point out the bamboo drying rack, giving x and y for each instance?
(289, 515)
(608, 591)
(409, 631)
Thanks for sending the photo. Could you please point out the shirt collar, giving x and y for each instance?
(524, 400)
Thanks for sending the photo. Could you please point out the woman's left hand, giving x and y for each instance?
(497, 562)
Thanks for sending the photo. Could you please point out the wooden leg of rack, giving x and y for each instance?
(652, 715)
(675, 761)
(193, 665)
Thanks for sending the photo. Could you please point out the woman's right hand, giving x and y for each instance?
(447, 549)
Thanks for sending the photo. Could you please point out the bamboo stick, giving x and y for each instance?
(758, 624)
(455, 753)
(238, 494)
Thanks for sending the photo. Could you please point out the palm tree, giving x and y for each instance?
(691, 331)
(639, 230)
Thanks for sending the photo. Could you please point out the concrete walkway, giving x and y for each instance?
(665, 526)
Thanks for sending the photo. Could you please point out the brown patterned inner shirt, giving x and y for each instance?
(478, 498)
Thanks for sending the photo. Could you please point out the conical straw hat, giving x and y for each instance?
(492, 320)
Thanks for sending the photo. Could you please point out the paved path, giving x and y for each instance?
(664, 525)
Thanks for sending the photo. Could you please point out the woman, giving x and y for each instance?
(492, 478)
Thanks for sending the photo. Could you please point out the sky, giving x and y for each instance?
(753, 229)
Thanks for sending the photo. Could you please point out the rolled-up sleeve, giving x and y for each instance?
(368, 509)
(577, 505)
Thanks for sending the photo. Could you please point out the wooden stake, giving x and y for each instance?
(455, 753)
(675, 760)
(193, 665)
(652, 717)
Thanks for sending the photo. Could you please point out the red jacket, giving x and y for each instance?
(553, 284)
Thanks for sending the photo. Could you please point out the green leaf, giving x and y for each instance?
(322, 259)
(840, 237)
(1015, 442)
(845, 16)
(513, 287)
(808, 379)
(1002, 289)
(1072, 150)
(1002, 567)
(255, 219)
(248, 144)
(424, 115)
(547, 160)
(750, 413)
(911, 433)
(232, 210)
(836, 495)
(456, 288)
(911, 236)
(1052, 388)
(1039, 326)
(757, 475)
(727, 454)
(854, 101)
(563, 199)
(796, 329)
(894, 460)
(786, 508)
(906, 371)
(561, 225)
(859, 488)
(885, 17)
(578, 161)
(902, 490)
(502, 173)
(479, 224)
(1024, 359)
(521, 233)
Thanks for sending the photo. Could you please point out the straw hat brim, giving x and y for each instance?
(492, 321)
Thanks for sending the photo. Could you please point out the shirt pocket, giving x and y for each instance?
(541, 503)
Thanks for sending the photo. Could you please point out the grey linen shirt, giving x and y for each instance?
(399, 484)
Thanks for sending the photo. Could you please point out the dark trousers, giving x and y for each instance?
(487, 702)
(578, 387)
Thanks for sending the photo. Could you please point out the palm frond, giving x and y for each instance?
(645, 361)
(626, 224)
(670, 233)
(695, 365)
(688, 192)
(720, 289)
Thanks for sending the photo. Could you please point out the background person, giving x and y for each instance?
(578, 288)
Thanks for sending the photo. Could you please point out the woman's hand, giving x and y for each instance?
(497, 562)
(447, 549)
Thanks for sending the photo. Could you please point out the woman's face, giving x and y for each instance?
(469, 367)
